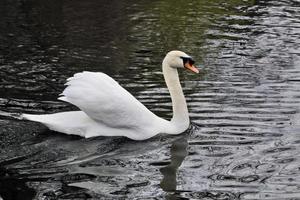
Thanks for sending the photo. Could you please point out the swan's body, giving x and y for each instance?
(107, 109)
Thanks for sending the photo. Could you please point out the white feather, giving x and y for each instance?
(107, 109)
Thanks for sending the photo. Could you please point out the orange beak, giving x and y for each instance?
(191, 67)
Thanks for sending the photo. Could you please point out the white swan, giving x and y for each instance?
(107, 109)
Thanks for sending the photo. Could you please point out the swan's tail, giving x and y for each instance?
(50, 119)
(20, 116)
(11, 115)
(72, 122)
(36, 118)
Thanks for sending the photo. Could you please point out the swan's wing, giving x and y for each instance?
(105, 101)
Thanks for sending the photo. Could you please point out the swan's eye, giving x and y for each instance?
(187, 60)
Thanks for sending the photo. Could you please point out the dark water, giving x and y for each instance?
(244, 142)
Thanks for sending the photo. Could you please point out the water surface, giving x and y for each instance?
(243, 142)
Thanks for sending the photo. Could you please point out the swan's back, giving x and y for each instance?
(104, 100)
(107, 109)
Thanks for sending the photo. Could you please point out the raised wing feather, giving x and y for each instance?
(105, 101)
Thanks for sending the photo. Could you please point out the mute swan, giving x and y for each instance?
(107, 109)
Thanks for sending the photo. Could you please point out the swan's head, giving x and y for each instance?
(179, 59)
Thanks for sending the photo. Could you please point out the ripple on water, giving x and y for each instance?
(244, 106)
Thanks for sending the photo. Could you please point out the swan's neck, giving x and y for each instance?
(180, 120)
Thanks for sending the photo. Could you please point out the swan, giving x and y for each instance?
(107, 109)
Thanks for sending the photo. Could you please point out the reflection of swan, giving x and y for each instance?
(178, 154)
(107, 109)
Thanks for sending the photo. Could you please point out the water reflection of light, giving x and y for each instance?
(246, 103)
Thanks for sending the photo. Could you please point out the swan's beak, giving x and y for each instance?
(191, 67)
